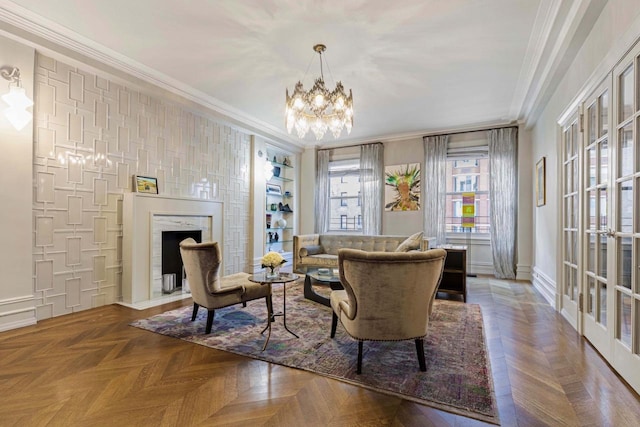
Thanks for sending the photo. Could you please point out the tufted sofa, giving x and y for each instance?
(321, 250)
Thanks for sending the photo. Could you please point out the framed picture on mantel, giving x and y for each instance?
(145, 184)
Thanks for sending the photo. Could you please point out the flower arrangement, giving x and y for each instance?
(272, 260)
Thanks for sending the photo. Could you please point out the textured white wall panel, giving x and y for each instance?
(92, 136)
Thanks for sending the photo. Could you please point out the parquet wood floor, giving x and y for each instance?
(92, 369)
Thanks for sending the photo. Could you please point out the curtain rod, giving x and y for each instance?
(348, 146)
(472, 131)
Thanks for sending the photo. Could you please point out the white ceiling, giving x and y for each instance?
(415, 66)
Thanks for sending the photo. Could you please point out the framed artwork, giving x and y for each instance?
(145, 184)
(274, 189)
(541, 196)
(402, 187)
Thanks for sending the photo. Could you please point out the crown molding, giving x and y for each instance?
(45, 30)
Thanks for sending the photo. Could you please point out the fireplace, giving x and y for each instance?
(171, 258)
(145, 218)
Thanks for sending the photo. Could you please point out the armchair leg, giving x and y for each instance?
(359, 368)
(210, 315)
(195, 311)
(334, 324)
(420, 350)
(244, 304)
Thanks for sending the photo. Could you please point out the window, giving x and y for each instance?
(343, 197)
(469, 175)
(344, 185)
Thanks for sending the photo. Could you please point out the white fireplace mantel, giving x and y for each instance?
(140, 212)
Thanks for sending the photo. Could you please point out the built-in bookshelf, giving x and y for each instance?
(280, 207)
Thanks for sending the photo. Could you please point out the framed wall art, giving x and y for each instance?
(541, 196)
(145, 184)
(402, 187)
(274, 189)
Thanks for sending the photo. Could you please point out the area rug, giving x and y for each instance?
(458, 376)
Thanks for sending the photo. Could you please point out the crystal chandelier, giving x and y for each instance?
(319, 110)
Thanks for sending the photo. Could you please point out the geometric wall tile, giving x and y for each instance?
(102, 83)
(45, 187)
(100, 115)
(44, 275)
(143, 127)
(75, 127)
(74, 210)
(124, 105)
(119, 210)
(72, 292)
(100, 153)
(99, 229)
(99, 268)
(123, 139)
(99, 191)
(176, 172)
(73, 250)
(76, 86)
(143, 161)
(44, 231)
(74, 168)
(124, 180)
(46, 97)
(45, 144)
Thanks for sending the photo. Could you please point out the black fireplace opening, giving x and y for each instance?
(171, 258)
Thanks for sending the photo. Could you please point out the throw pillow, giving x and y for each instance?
(311, 250)
(412, 242)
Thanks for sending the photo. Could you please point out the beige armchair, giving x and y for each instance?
(387, 296)
(202, 262)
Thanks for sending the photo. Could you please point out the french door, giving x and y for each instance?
(570, 221)
(625, 294)
(597, 229)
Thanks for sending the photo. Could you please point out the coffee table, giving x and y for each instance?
(283, 278)
(332, 279)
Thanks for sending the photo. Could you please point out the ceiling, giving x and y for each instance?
(415, 67)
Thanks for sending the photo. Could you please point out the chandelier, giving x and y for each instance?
(319, 110)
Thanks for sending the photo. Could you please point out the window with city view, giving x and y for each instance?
(344, 201)
(463, 176)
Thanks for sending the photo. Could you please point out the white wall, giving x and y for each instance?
(16, 190)
(613, 33)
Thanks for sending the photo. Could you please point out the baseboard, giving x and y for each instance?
(142, 305)
(480, 268)
(17, 312)
(523, 272)
(545, 285)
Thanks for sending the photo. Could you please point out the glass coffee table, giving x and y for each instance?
(326, 276)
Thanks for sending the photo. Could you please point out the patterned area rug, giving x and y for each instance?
(458, 377)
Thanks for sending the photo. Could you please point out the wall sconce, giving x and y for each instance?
(16, 99)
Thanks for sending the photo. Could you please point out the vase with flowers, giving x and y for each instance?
(271, 262)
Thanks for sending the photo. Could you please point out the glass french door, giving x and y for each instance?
(625, 294)
(598, 234)
(570, 225)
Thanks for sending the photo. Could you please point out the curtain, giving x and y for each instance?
(503, 200)
(371, 187)
(435, 188)
(322, 191)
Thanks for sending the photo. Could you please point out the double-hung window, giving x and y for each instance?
(345, 212)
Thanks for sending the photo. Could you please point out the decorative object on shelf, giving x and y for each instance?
(286, 161)
(287, 194)
(274, 189)
(284, 208)
(319, 110)
(268, 220)
(145, 184)
(274, 207)
(16, 99)
(282, 223)
(276, 171)
(271, 262)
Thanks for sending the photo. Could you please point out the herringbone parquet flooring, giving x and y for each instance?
(92, 369)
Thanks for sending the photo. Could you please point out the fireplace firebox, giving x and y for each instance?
(171, 258)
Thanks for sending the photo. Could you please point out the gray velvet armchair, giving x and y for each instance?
(387, 296)
(202, 263)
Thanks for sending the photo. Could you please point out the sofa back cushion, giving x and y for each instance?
(332, 243)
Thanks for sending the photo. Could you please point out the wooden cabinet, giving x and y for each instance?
(454, 277)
